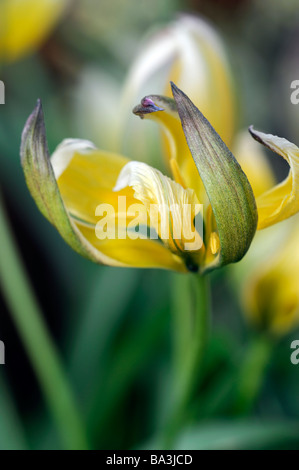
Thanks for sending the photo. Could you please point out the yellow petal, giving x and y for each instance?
(26, 23)
(86, 177)
(282, 201)
(163, 111)
(137, 253)
(254, 163)
(177, 206)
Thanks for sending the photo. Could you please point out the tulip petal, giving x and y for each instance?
(139, 253)
(86, 177)
(227, 187)
(163, 110)
(254, 163)
(174, 224)
(282, 201)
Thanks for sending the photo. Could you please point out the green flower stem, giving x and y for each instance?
(191, 314)
(252, 373)
(39, 346)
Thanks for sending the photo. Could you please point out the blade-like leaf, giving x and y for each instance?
(227, 186)
(43, 187)
(239, 435)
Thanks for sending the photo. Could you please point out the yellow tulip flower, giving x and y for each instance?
(25, 24)
(69, 188)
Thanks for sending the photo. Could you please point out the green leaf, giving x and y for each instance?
(42, 184)
(239, 435)
(227, 186)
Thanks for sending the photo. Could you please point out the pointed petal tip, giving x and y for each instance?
(252, 131)
(36, 115)
(175, 89)
(34, 128)
(255, 134)
(146, 106)
(37, 111)
(39, 106)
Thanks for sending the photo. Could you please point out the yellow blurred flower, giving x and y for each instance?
(189, 52)
(270, 291)
(25, 24)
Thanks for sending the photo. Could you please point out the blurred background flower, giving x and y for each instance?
(268, 285)
(113, 329)
(189, 52)
(26, 24)
(271, 296)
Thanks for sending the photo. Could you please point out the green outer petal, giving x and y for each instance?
(43, 187)
(227, 186)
